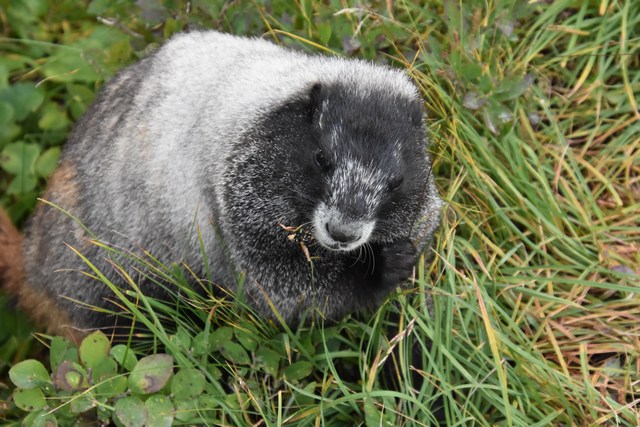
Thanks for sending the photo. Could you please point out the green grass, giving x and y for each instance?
(535, 133)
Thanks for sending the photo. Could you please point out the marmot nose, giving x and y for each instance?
(342, 235)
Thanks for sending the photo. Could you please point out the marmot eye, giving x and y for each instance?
(395, 183)
(322, 162)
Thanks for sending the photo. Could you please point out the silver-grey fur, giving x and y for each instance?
(190, 139)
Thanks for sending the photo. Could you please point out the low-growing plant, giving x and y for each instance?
(210, 360)
(97, 382)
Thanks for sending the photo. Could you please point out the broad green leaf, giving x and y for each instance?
(151, 374)
(187, 384)
(298, 370)
(70, 376)
(513, 87)
(220, 336)
(29, 399)
(53, 117)
(186, 410)
(201, 345)
(40, 419)
(98, 7)
(81, 403)
(130, 411)
(470, 71)
(120, 52)
(61, 350)
(22, 184)
(9, 132)
(29, 374)
(375, 417)
(160, 411)
(235, 353)
(19, 158)
(247, 339)
(124, 356)
(269, 359)
(47, 162)
(4, 80)
(324, 32)
(106, 378)
(94, 349)
(25, 98)
(182, 338)
(6, 113)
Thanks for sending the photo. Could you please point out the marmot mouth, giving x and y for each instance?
(337, 233)
(340, 247)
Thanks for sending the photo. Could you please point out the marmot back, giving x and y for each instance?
(242, 140)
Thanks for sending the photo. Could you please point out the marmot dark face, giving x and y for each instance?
(369, 147)
(344, 164)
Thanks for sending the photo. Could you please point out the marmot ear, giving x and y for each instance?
(417, 113)
(315, 99)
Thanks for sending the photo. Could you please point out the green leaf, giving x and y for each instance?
(78, 100)
(19, 158)
(201, 344)
(220, 336)
(117, 384)
(82, 403)
(160, 411)
(171, 26)
(130, 411)
(182, 338)
(124, 356)
(4, 79)
(53, 117)
(513, 87)
(151, 374)
(306, 399)
(187, 410)
(269, 359)
(29, 374)
(374, 417)
(70, 66)
(6, 113)
(247, 339)
(94, 349)
(235, 353)
(98, 7)
(107, 367)
(25, 98)
(120, 51)
(324, 32)
(29, 399)
(47, 162)
(298, 370)
(22, 184)
(187, 384)
(40, 419)
(9, 132)
(473, 101)
(37, 8)
(470, 71)
(70, 376)
(107, 380)
(61, 350)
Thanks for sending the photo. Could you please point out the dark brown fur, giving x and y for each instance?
(42, 309)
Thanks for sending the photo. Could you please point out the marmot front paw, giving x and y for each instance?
(396, 262)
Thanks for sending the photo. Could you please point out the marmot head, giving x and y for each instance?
(346, 162)
(368, 152)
